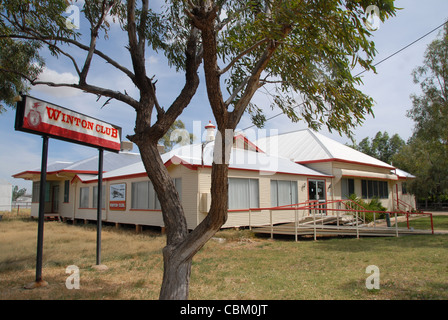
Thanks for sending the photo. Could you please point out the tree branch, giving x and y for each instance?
(136, 50)
(193, 60)
(93, 38)
(79, 45)
(236, 91)
(242, 54)
(204, 19)
(90, 89)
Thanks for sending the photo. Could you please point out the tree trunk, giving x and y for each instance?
(176, 275)
(178, 255)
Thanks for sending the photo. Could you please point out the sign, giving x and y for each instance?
(117, 197)
(43, 118)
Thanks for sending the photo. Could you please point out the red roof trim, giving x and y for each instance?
(248, 142)
(345, 161)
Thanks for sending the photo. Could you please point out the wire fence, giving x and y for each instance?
(15, 205)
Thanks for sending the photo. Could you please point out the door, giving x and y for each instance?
(316, 191)
(55, 199)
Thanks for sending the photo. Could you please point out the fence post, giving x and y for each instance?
(374, 219)
(337, 215)
(250, 224)
(272, 225)
(407, 219)
(396, 224)
(314, 223)
(357, 228)
(432, 224)
(295, 223)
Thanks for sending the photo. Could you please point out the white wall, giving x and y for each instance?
(5, 196)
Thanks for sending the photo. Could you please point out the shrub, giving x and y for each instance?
(373, 205)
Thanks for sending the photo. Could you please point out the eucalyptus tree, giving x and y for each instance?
(302, 51)
(44, 25)
(426, 153)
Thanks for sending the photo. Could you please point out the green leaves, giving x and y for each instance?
(17, 59)
(430, 110)
(44, 17)
(381, 146)
(426, 154)
(22, 25)
(320, 42)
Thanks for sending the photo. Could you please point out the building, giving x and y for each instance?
(305, 166)
(5, 196)
(353, 171)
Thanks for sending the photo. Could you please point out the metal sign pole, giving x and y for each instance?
(99, 206)
(40, 227)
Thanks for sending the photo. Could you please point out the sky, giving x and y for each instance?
(391, 88)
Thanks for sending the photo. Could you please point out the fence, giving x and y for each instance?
(15, 205)
(311, 218)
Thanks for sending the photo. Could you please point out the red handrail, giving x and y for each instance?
(311, 204)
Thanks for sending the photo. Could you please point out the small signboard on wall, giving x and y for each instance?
(117, 197)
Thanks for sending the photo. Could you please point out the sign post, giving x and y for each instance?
(40, 226)
(99, 216)
(52, 121)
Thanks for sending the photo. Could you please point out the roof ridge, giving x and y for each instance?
(77, 163)
(321, 144)
(280, 134)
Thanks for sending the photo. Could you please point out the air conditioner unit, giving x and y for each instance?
(205, 202)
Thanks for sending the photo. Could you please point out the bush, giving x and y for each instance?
(373, 205)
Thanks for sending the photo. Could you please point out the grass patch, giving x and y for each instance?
(242, 266)
(424, 223)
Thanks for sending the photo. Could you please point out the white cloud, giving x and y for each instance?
(49, 75)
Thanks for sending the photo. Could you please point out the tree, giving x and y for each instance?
(425, 164)
(42, 22)
(17, 193)
(430, 109)
(20, 58)
(301, 50)
(381, 146)
(426, 153)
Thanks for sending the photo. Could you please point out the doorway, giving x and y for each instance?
(55, 199)
(316, 191)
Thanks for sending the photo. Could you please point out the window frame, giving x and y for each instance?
(252, 194)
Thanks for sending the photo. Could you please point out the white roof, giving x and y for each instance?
(239, 159)
(308, 146)
(111, 161)
(403, 174)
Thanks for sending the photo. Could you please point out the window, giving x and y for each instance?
(283, 193)
(36, 191)
(348, 188)
(374, 188)
(144, 196)
(84, 197)
(66, 191)
(404, 189)
(95, 197)
(178, 184)
(243, 193)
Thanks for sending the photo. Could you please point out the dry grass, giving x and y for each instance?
(242, 267)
